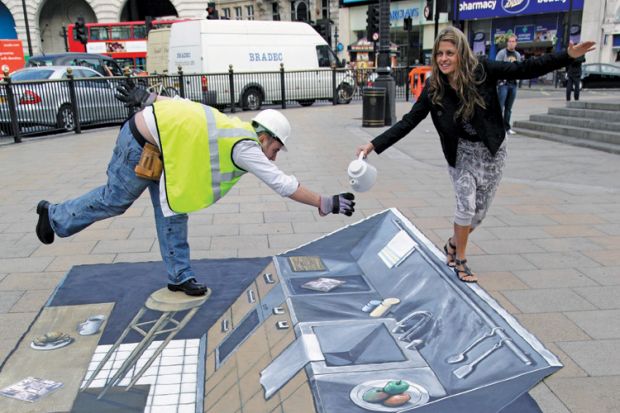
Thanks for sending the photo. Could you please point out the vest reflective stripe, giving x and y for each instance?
(196, 143)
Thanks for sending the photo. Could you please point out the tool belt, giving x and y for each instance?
(150, 164)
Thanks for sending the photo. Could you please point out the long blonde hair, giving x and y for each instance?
(464, 77)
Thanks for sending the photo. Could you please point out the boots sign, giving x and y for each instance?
(477, 9)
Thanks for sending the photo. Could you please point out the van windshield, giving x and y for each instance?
(325, 56)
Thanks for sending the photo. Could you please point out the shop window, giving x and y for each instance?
(250, 12)
(238, 13)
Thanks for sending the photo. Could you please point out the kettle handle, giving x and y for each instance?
(361, 156)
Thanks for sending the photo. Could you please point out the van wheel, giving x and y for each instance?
(65, 119)
(345, 94)
(308, 102)
(252, 99)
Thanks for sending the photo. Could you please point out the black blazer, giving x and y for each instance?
(488, 122)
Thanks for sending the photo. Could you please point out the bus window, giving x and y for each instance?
(99, 33)
(120, 32)
(139, 31)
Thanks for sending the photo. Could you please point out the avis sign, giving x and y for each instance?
(480, 9)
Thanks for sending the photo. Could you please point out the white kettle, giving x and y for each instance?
(362, 175)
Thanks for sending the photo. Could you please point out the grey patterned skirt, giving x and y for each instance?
(475, 178)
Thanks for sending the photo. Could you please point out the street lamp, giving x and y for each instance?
(27, 28)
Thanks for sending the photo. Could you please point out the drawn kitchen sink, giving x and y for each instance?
(357, 344)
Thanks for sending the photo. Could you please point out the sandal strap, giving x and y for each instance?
(451, 244)
(461, 262)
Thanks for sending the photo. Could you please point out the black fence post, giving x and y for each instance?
(407, 83)
(282, 86)
(334, 88)
(12, 109)
(181, 82)
(74, 105)
(231, 80)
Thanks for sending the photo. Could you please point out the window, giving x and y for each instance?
(325, 9)
(99, 33)
(250, 12)
(238, 13)
(227, 13)
(325, 56)
(275, 12)
(32, 75)
(120, 32)
(139, 32)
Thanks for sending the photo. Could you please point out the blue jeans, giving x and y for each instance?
(507, 94)
(113, 199)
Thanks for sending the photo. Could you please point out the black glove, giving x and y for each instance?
(134, 96)
(337, 204)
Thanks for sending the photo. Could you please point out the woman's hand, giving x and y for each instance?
(579, 49)
(366, 149)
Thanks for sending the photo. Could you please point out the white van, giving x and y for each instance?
(210, 47)
(157, 50)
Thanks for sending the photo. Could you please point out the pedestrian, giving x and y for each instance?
(507, 88)
(203, 155)
(573, 78)
(462, 99)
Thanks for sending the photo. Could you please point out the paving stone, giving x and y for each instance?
(65, 263)
(603, 275)
(588, 394)
(32, 264)
(31, 301)
(560, 260)
(610, 229)
(31, 281)
(101, 234)
(249, 218)
(513, 233)
(501, 280)
(499, 262)
(547, 300)
(546, 400)
(64, 247)
(8, 299)
(566, 231)
(13, 325)
(607, 257)
(597, 358)
(239, 241)
(526, 220)
(554, 278)
(495, 246)
(603, 324)
(567, 244)
(570, 369)
(271, 228)
(214, 230)
(603, 297)
(576, 219)
(552, 327)
(123, 246)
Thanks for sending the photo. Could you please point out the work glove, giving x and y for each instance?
(337, 204)
(134, 96)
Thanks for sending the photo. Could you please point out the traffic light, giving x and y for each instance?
(212, 13)
(372, 21)
(80, 30)
(324, 29)
(148, 23)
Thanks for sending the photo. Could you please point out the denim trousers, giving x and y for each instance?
(507, 94)
(113, 199)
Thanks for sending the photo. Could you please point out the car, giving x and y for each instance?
(600, 76)
(101, 63)
(42, 98)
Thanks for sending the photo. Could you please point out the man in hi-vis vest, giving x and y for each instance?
(189, 156)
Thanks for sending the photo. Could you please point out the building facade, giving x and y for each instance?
(539, 24)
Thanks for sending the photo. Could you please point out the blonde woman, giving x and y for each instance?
(461, 96)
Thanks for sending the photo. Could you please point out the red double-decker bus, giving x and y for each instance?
(124, 41)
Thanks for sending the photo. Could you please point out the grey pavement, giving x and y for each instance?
(547, 252)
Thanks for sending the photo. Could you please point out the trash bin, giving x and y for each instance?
(373, 106)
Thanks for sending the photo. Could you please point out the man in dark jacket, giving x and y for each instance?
(573, 77)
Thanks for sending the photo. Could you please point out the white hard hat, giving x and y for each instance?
(274, 123)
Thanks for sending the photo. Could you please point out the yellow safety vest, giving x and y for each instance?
(196, 143)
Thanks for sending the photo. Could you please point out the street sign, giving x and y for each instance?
(11, 54)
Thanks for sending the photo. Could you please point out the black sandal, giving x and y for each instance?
(469, 276)
(450, 257)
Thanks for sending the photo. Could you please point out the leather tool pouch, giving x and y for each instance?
(150, 164)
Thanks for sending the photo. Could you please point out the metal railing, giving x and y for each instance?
(44, 106)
